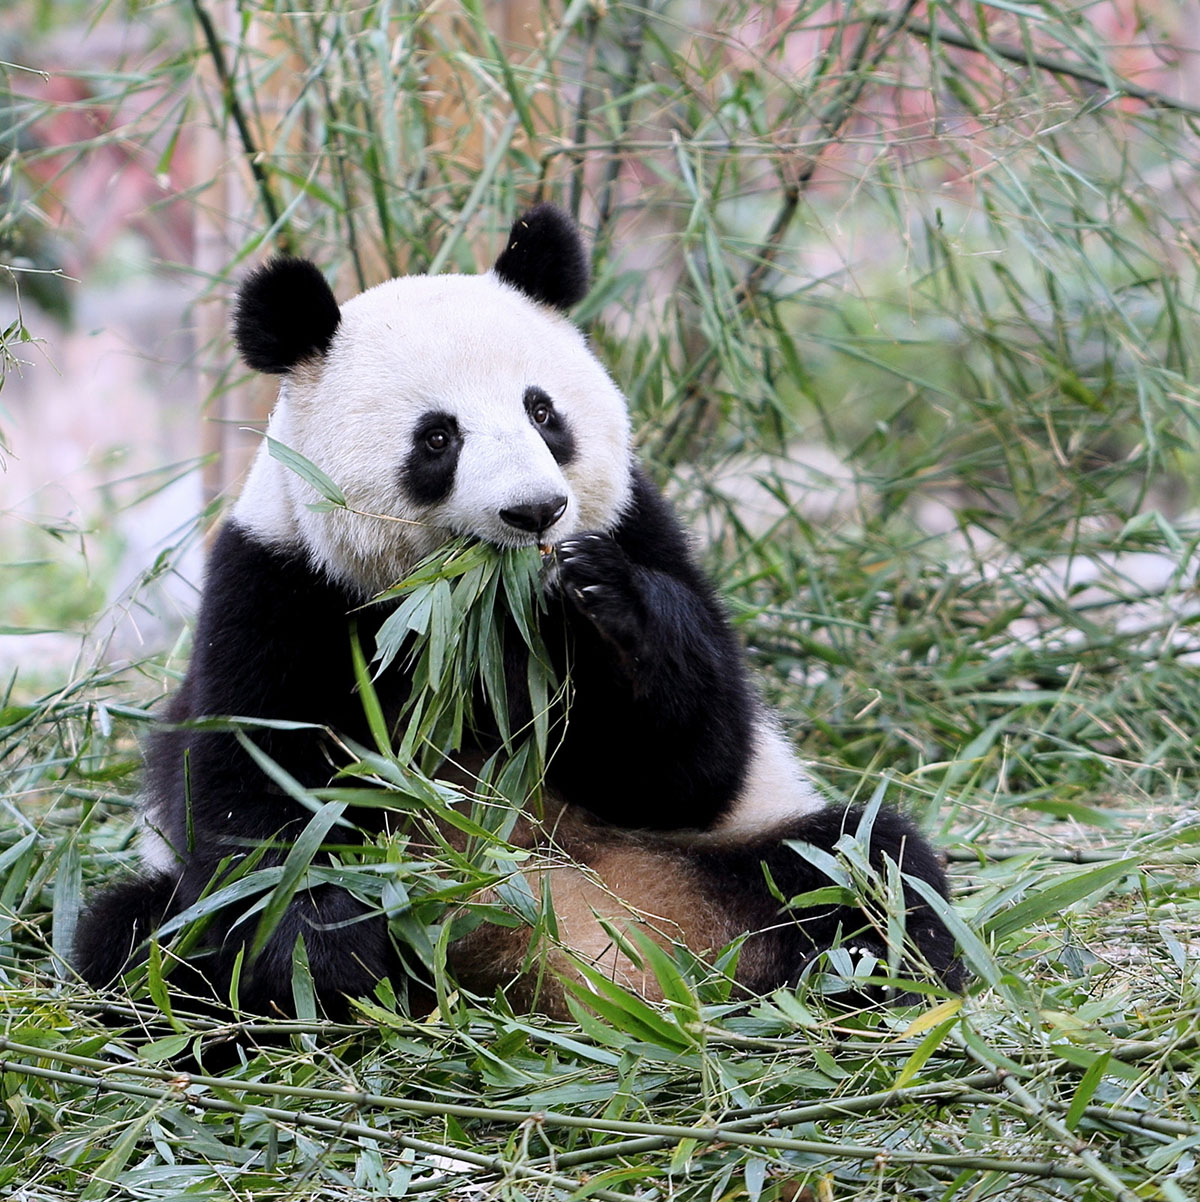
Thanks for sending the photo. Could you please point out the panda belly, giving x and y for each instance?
(592, 877)
(699, 891)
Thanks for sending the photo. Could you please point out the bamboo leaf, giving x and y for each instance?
(307, 471)
(295, 866)
(1059, 896)
(627, 1012)
(930, 1044)
(156, 984)
(1086, 1090)
(108, 1173)
(369, 697)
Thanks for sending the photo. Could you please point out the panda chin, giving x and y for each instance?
(513, 541)
(504, 538)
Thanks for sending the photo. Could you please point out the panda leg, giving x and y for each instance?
(115, 924)
(789, 939)
(612, 880)
(704, 894)
(348, 948)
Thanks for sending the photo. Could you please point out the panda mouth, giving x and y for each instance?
(512, 540)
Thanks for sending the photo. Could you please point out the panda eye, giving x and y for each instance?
(437, 440)
(539, 406)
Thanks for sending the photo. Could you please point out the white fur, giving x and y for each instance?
(776, 787)
(469, 346)
(156, 853)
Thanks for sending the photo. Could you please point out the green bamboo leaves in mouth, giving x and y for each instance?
(449, 628)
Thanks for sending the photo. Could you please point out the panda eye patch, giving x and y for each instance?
(550, 424)
(427, 474)
(436, 432)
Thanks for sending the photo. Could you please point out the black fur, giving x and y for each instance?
(272, 641)
(112, 929)
(428, 472)
(285, 313)
(659, 730)
(658, 737)
(555, 430)
(545, 258)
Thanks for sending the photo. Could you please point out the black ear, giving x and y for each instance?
(545, 258)
(285, 313)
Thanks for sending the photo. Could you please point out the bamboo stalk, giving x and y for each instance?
(650, 1136)
(877, 1154)
(831, 121)
(229, 96)
(175, 1094)
(1038, 1113)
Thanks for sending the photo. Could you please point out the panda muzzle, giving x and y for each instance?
(535, 516)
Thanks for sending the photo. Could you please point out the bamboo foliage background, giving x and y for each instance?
(904, 301)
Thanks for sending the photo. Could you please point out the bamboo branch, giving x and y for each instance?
(499, 1165)
(587, 56)
(1055, 66)
(233, 105)
(1037, 1113)
(635, 40)
(100, 1075)
(548, 52)
(1068, 855)
(831, 120)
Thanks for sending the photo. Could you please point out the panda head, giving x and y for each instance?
(440, 405)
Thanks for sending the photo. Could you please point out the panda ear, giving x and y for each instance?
(285, 313)
(545, 258)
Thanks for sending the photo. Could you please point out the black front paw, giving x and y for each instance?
(596, 578)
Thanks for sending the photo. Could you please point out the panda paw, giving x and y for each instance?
(597, 579)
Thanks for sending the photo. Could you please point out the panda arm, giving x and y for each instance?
(271, 643)
(659, 729)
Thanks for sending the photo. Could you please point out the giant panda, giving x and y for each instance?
(471, 405)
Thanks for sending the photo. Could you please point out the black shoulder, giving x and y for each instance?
(651, 534)
(268, 619)
(272, 642)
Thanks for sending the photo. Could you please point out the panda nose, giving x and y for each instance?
(536, 516)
